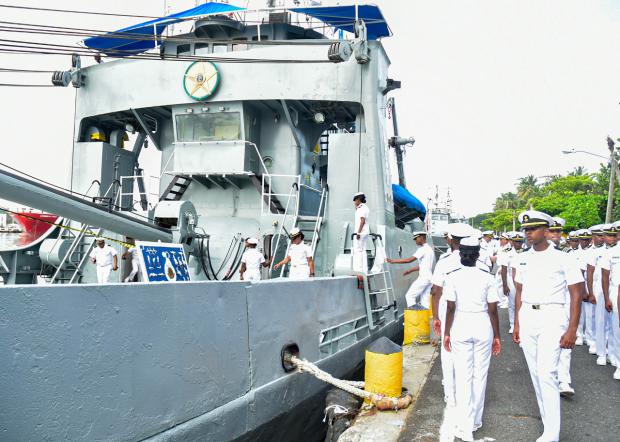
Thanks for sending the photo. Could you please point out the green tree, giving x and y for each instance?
(527, 189)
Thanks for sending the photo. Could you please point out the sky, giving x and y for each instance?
(492, 90)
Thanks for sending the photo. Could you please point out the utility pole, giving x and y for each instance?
(612, 178)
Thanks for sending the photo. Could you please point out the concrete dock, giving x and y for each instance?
(511, 412)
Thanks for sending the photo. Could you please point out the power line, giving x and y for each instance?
(25, 85)
(72, 11)
(29, 71)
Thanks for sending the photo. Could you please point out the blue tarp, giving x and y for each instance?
(128, 46)
(343, 17)
(403, 197)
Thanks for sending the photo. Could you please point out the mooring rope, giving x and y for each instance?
(352, 387)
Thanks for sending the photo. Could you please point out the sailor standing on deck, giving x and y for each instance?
(471, 334)
(542, 326)
(420, 290)
(251, 261)
(448, 262)
(360, 235)
(105, 258)
(300, 257)
(132, 253)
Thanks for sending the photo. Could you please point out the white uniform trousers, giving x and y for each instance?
(511, 305)
(420, 291)
(360, 258)
(581, 330)
(471, 338)
(540, 332)
(602, 321)
(615, 329)
(590, 327)
(299, 272)
(252, 275)
(135, 266)
(503, 299)
(447, 361)
(565, 357)
(103, 273)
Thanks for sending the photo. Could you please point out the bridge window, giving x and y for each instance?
(223, 126)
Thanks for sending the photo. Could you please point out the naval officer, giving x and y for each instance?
(507, 263)
(566, 390)
(585, 248)
(611, 285)
(471, 334)
(597, 297)
(542, 326)
(448, 262)
(360, 235)
(604, 308)
(251, 261)
(420, 289)
(299, 255)
(105, 258)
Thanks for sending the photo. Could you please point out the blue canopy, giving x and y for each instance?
(343, 17)
(116, 45)
(404, 198)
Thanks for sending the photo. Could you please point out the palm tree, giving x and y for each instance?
(578, 171)
(527, 189)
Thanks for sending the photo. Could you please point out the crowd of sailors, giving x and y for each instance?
(560, 292)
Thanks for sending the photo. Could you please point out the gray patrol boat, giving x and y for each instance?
(266, 120)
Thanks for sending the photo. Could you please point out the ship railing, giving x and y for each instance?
(288, 214)
(269, 196)
(144, 194)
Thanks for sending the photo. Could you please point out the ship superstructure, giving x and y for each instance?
(263, 125)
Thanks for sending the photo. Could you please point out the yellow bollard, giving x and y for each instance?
(417, 325)
(383, 371)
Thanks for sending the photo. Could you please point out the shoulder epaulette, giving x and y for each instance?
(455, 270)
(483, 270)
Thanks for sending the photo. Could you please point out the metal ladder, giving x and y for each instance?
(379, 294)
(75, 257)
(176, 188)
(310, 226)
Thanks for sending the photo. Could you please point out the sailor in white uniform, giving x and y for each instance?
(611, 284)
(485, 257)
(604, 307)
(566, 390)
(471, 334)
(105, 258)
(587, 308)
(251, 261)
(299, 255)
(362, 230)
(448, 262)
(595, 289)
(420, 289)
(507, 263)
(505, 249)
(575, 251)
(133, 254)
(542, 326)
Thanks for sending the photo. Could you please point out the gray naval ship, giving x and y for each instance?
(266, 120)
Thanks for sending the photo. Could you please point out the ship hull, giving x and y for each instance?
(180, 361)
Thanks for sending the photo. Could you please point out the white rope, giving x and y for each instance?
(338, 409)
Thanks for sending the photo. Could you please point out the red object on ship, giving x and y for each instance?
(35, 223)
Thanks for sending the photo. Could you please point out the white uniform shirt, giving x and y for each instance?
(103, 255)
(471, 288)
(299, 254)
(252, 259)
(546, 275)
(611, 262)
(361, 211)
(595, 258)
(134, 254)
(426, 260)
(448, 263)
(583, 257)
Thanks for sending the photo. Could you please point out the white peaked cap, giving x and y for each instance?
(535, 218)
(470, 241)
(252, 241)
(476, 233)
(488, 232)
(459, 230)
(419, 233)
(98, 239)
(616, 225)
(294, 232)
